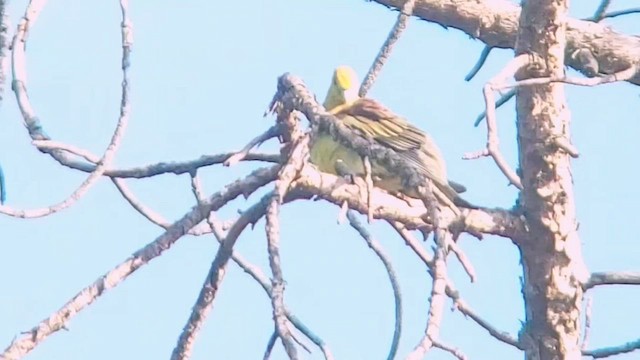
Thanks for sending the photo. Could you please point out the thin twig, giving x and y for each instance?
(503, 100)
(257, 141)
(28, 114)
(613, 278)
(587, 324)
(198, 193)
(450, 349)
(463, 259)
(369, 181)
(146, 171)
(270, 344)
(413, 243)
(183, 167)
(460, 304)
(622, 75)
(5, 24)
(565, 144)
(75, 150)
(465, 309)
(299, 341)
(387, 47)
(492, 148)
(4, 43)
(602, 8)
(613, 350)
(393, 278)
(481, 60)
(150, 214)
(614, 14)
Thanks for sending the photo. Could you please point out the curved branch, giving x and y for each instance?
(484, 55)
(617, 13)
(30, 119)
(393, 278)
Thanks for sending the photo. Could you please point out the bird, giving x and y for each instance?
(371, 119)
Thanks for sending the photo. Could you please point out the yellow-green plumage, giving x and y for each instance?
(373, 120)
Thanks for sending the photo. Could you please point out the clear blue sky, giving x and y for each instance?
(202, 74)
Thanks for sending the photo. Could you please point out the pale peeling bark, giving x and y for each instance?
(591, 48)
(553, 267)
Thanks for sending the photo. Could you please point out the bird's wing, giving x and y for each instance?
(378, 122)
(383, 125)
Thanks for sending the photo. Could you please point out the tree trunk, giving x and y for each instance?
(551, 252)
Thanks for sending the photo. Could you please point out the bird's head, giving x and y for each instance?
(344, 87)
(345, 78)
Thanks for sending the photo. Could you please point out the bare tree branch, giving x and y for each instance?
(369, 181)
(492, 148)
(450, 349)
(297, 150)
(242, 154)
(393, 278)
(387, 47)
(503, 100)
(182, 167)
(277, 295)
(19, 87)
(214, 278)
(602, 8)
(614, 14)
(336, 190)
(150, 170)
(496, 24)
(613, 350)
(459, 303)
(463, 259)
(439, 274)
(270, 344)
(605, 79)
(24, 344)
(4, 43)
(587, 324)
(464, 308)
(601, 13)
(613, 278)
(484, 55)
(412, 242)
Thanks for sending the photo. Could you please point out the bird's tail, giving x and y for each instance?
(452, 192)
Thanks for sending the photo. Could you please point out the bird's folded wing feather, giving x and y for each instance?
(374, 120)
